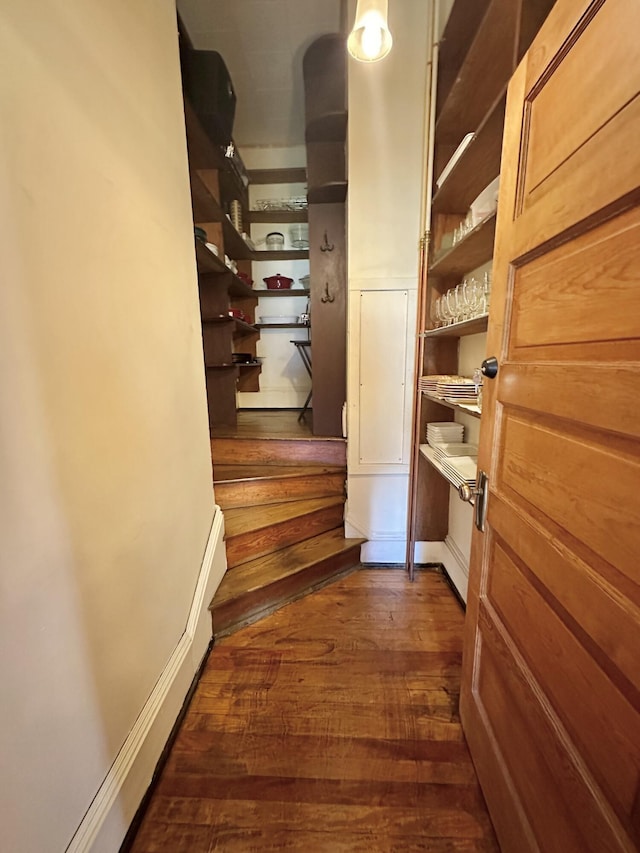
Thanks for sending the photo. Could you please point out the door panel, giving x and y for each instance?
(560, 297)
(557, 473)
(589, 599)
(559, 125)
(551, 692)
(611, 754)
(545, 767)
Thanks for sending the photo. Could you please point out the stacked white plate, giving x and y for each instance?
(454, 449)
(430, 383)
(442, 433)
(457, 389)
(460, 469)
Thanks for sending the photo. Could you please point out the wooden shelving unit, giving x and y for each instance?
(213, 185)
(480, 48)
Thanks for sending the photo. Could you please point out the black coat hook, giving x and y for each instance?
(327, 296)
(326, 246)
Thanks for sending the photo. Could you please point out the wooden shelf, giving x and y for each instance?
(281, 326)
(234, 245)
(292, 291)
(240, 288)
(278, 176)
(206, 208)
(455, 406)
(484, 73)
(430, 456)
(267, 216)
(472, 251)
(251, 366)
(332, 193)
(203, 154)
(283, 255)
(477, 167)
(218, 318)
(210, 264)
(243, 328)
(462, 25)
(207, 262)
(460, 330)
(220, 366)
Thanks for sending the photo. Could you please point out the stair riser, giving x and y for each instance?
(258, 543)
(234, 451)
(254, 605)
(275, 490)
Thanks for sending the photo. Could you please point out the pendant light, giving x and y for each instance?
(370, 38)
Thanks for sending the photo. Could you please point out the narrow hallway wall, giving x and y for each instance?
(106, 503)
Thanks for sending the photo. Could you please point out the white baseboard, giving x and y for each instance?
(383, 551)
(105, 824)
(457, 566)
(451, 557)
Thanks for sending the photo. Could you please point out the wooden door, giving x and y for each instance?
(551, 695)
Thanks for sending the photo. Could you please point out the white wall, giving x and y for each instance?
(387, 102)
(106, 503)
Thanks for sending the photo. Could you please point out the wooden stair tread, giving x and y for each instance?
(277, 450)
(309, 439)
(238, 473)
(264, 571)
(247, 519)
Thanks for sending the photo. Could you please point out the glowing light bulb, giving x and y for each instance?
(370, 38)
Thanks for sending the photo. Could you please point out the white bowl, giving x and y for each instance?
(278, 319)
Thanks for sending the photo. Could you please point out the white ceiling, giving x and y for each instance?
(262, 43)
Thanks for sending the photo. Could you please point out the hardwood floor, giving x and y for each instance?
(268, 423)
(331, 725)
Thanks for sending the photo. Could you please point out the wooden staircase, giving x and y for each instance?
(283, 502)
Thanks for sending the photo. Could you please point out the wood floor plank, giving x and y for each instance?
(256, 423)
(331, 725)
(361, 761)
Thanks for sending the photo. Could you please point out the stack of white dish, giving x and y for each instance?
(442, 433)
(457, 389)
(460, 469)
(429, 384)
(453, 449)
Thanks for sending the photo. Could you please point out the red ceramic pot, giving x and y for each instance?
(278, 282)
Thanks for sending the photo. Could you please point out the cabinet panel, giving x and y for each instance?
(383, 357)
